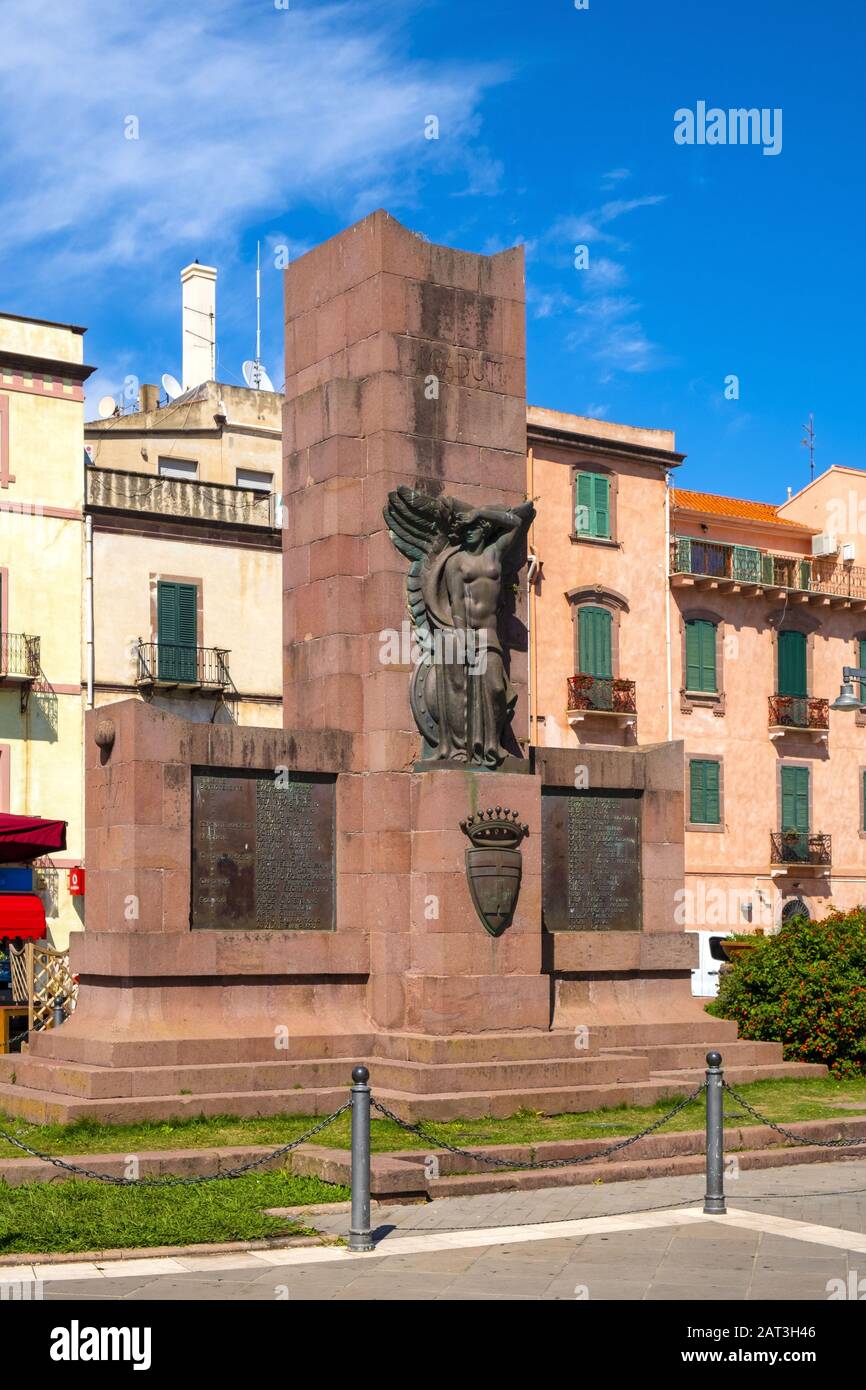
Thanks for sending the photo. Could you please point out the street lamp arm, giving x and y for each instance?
(853, 673)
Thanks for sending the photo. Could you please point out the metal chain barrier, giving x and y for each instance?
(789, 1134)
(235, 1172)
(497, 1162)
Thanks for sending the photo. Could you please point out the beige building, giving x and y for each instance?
(42, 375)
(664, 613)
(183, 559)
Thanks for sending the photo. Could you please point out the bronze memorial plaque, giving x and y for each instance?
(262, 851)
(591, 860)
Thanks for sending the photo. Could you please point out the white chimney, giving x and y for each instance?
(198, 290)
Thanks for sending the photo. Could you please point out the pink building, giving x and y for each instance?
(662, 613)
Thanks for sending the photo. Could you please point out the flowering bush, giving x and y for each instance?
(805, 988)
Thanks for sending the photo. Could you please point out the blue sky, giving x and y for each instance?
(556, 129)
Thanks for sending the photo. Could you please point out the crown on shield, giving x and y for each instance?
(497, 826)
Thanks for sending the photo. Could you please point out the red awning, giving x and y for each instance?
(21, 915)
(24, 838)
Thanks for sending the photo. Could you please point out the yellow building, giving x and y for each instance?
(183, 545)
(42, 377)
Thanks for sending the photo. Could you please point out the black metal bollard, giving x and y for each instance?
(360, 1235)
(59, 1011)
(714, 1201)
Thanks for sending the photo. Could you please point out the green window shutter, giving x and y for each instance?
(747, 564)
(583, 504)
(767, 570)
(594, 642)
(792, 664)
(863, 804)
(795, 799)
(700, 655)
(805, 574)
(592, 505)
(861, 662)
(683, 555)
(601, 500)
(704, 791)
(177, 634)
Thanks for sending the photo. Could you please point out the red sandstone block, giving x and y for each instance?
(296, 566)
(307, 513)
(341, 409)
(384, 607)
(389, 952)
(386, 749)
(503, 472)
(503, 275)
(402, 252)
(305, 347)
(476, 1003)
(377, 904)
(386, 700)
(331, 320)
(457, 268)
(309, 378)
(386, 1001)
(350, 804)
(337, 555)
(337, 457)
(344, 694)
(343, 506)
(385, 800)
(376, 304)
(334, 655)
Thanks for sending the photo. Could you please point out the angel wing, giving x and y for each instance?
(418, 526)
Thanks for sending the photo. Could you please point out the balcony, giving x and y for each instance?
(800, 713)
(745, 570)
(183, 499)
(173, 666)
(20, 663)
(601, 695)
(798, 851)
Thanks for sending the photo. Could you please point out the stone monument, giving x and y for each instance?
(396, 877)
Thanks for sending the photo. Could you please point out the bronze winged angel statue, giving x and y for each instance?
(460, 693)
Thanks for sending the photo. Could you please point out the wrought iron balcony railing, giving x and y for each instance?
(601, 694)
(799, 847)
(739, 564)
(798, 712)
(173, 663)
(19, 656)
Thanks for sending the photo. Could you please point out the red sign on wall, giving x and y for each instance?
(76, 883)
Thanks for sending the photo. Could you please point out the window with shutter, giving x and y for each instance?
(792, 664)
(795, 799)
(704, 791)
(592, 505)
(861, 658)
(701, 655)
(863, 802)
(177, 635)
(595, 656)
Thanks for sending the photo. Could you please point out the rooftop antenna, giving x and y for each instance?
(809, 443)
(254, 373)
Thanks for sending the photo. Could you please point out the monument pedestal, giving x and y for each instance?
(249, 941)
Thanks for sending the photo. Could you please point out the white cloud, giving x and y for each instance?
(243, 110)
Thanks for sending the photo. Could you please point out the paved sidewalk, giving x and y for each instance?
(789, 1233)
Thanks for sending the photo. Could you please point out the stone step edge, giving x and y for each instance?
(317, 1160)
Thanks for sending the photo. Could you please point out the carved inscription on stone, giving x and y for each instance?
(262, 853)
(591, 860)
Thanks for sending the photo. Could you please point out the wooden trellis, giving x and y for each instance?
(40, 976)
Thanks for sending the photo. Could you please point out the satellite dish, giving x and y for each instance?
(107, 406)
(171, 386)
(256, 377)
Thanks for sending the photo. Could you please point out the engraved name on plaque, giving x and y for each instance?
(591, 860)
(262, 852)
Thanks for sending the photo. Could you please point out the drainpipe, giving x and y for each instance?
(88, 607)
(666, 582)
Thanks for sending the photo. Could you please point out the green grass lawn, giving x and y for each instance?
(74, 1216)
(85, 1215)
(784, 1101)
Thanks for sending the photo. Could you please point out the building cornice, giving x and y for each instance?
(607, 448)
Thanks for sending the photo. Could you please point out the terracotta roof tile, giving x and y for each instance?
(734, 507)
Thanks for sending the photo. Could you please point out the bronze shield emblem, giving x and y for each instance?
(494, 865)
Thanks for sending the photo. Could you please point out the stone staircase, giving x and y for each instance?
(417, 1076)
